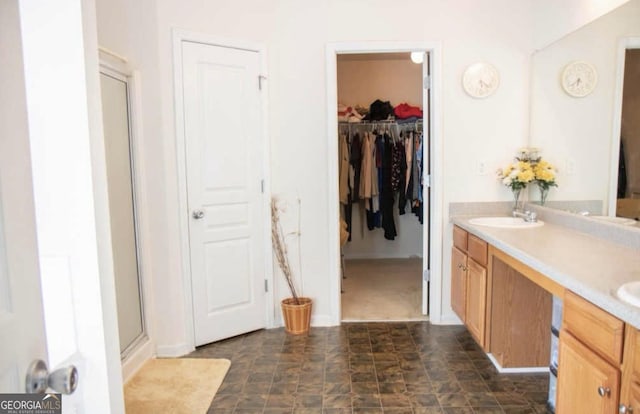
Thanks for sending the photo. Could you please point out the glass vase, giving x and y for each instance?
(544, 192)
(516, 198)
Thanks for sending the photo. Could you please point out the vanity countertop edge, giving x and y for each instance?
(589, 266)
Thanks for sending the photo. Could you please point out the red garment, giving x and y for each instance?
(404, 111)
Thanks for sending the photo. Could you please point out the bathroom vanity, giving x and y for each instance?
(502, 284)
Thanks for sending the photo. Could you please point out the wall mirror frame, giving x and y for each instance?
(581, 135)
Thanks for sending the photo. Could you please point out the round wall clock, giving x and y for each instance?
(579, 78)
(480, 80)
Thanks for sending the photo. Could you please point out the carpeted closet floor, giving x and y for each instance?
(382, 290)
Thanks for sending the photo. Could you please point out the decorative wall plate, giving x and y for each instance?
(579, 78)
(480, 79)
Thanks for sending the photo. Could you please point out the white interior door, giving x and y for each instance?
(22, 337)
(55, 169)
(223, 138)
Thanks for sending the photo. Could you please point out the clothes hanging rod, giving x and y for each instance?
(113, 54)
(385, 122)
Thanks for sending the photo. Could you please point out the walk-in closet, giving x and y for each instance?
(383, 163)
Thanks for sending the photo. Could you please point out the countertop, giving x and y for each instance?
(589, 266)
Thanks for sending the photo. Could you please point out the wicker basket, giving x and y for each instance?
(297, 318)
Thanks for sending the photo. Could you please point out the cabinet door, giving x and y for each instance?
(631, 400)
(458, 282)
(476, 300)
(630, 389)
(582, 377)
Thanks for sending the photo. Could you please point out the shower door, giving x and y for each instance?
(122, 207)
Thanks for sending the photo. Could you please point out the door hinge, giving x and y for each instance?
(426, 275)
(262, 186)
(260, 79)
(426, 82)
(427, 180)
(266, 285)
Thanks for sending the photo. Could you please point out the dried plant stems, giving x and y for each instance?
(280, 249)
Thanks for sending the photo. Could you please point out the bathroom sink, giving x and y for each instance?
(616, 220)
(505, 222)
(630, 293)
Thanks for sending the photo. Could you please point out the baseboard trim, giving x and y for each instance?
(322, 320)
(373, 256)
(135, 360)
(423, 319)
(172, 351)
(520, 370)
(447, 319)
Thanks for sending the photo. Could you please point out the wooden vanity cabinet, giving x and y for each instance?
(590, 354)
(630, 388)
(469, 282)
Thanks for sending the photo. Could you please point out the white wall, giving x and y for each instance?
(296, 33)
(554, 19)
(576, 133)
(363, 78)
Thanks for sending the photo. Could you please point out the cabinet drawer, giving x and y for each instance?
(596, 328)
(477, 249)
(460, 238)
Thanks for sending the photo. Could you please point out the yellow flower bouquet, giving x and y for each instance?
(545, 178)
(516, 176)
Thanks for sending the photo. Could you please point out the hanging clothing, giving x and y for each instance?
(375, 170)
(368, 172)
(355, 159)
(343, 169)
(408, 149)
(387, 197)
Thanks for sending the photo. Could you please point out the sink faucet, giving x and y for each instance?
(528, 216)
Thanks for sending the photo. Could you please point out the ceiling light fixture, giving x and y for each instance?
(417, 57)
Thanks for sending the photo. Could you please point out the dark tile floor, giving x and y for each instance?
(413, 368)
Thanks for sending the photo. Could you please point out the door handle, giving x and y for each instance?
(197, 214)
(62, 380)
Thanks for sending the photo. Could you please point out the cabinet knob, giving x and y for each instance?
(624, 409)
(604, 391)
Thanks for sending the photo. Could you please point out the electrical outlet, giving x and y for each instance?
(571, 166)
(481, 167)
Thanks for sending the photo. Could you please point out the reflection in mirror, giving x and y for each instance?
(628, 191)
(581, 135)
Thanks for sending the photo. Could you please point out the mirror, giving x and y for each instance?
(581, 135)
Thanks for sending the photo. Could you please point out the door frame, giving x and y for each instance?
(179, 36)
(143, 347)
(432, 251)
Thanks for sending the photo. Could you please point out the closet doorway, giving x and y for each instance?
(384, 170)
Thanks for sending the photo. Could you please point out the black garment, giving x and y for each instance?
(396, 161)
(622, 172)
(371, 216)
(387, 198)
(402, 198)
(379, 111)
(348, 215)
